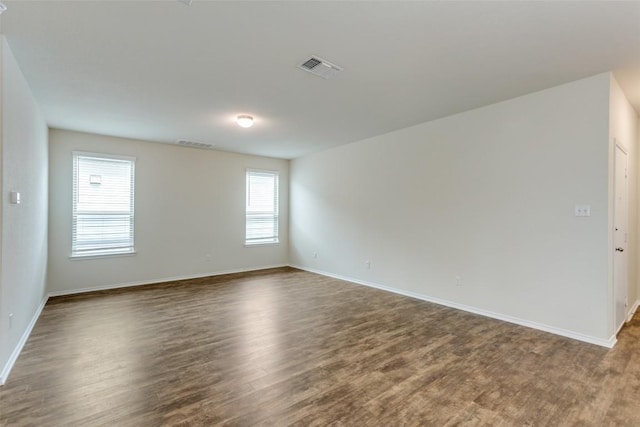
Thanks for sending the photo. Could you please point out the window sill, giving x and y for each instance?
(251, 245)
(97, 256)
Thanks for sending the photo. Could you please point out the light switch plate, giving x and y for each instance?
(14, 197)
(582, 210)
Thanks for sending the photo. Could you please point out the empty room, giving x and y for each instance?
(346, 213)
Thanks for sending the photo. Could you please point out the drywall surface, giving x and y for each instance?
(623, 128)
(24, 225)
(189, 214)
(476, 209)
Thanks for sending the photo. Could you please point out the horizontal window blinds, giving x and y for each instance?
(103, 205)
(262, 207)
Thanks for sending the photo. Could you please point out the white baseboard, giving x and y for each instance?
(633, 310)
(163, 280)
(522, 322)
(16, 351)
(558, 331)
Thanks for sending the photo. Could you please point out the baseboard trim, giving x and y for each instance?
(557, 331)
(506, 318)
(16, 352)
(25, 336)
(163, 280)
(633, 310)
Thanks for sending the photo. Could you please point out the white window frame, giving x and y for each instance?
(273, 240)
(104, 252)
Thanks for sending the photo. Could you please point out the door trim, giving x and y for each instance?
(618, 145)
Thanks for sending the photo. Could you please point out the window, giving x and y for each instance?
(262, 207)
(102, 205)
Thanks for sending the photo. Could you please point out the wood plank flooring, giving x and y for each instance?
(286, 347)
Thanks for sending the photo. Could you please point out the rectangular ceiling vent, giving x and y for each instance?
(194, 144)
(320, 67)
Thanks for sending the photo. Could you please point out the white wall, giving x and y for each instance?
(623, 127)
(24, 226)
(487, 195)
(189, 203)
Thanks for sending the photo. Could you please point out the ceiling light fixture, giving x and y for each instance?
(3, 7)
(244, 121)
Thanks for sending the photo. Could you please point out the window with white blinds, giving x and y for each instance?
(262, 207)
(103, 189)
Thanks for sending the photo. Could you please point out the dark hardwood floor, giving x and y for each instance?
(286, 347)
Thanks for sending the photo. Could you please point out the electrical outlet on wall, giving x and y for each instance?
(582, 210)
(458, 281)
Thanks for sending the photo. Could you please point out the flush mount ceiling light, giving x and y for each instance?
(244, 121)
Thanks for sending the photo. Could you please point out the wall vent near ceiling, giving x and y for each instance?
(195, 144)
(320, 67)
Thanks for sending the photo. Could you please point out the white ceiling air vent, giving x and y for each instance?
(320, 67)
(194, 144)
